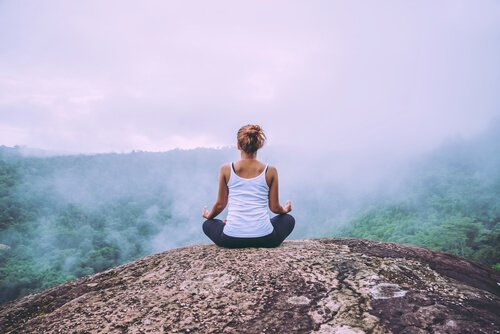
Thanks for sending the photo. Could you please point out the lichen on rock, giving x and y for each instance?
(305, 286)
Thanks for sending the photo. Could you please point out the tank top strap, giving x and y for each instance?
(265, 170)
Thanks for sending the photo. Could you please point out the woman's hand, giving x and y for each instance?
(205, 212)
(288, 206)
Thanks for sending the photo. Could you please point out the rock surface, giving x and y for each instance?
(307, 286)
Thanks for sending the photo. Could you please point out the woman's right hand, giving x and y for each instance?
(288, 206)
(205, 213)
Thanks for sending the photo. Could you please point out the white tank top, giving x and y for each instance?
(248, 201)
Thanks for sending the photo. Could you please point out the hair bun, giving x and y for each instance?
(250, 138)
(254, 130)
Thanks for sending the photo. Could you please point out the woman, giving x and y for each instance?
(248, 187)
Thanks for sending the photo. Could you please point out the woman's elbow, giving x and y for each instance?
(220, 205)
(275, 209)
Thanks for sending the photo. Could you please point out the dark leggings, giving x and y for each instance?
(283, 226)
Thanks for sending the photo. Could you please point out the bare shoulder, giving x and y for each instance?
(271, 175)
(225, 166)
(272, 170)
(225, 170)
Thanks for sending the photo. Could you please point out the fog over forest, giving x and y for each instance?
(72, 215)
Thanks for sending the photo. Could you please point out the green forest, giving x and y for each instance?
(450, 203)
(64, 217)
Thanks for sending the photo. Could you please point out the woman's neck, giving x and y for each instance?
(246, 156)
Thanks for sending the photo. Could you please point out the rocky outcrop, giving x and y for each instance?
(306, 286)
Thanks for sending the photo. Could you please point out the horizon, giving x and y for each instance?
(490, 127)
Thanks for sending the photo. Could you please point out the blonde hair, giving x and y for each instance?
(251, 138)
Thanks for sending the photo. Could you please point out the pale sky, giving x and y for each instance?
(115, 76)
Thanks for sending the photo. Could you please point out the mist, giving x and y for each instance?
(172, 187)
(65, 216)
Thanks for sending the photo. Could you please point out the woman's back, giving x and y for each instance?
(248, 200)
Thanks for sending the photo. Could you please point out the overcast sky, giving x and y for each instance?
(102, 76)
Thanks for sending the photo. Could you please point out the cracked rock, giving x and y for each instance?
(305, 286)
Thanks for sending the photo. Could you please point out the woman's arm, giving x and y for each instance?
(221, 201)
(274, 203)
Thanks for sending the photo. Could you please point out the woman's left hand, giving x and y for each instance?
(205, 212)
(288, 206)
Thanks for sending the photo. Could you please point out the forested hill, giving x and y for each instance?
(449, 201)
(63, 217)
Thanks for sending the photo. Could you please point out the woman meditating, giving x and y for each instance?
(248, 187)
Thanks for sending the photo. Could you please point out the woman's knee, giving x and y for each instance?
(213, 229)
(290, 221)
(283, 217)
(288, 226)
(208, 225)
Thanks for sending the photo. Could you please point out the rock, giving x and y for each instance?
(306, 286)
